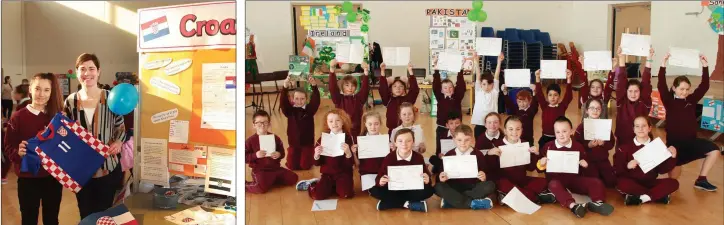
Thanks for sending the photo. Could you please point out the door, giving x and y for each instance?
(632, 18)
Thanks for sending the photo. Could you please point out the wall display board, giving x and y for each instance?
(451, 31)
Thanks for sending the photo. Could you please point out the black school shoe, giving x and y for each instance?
(600, 208)
(665, 200)
(579, 210)
(381, 205)
(546, 197)
(704, 185)
(632, 200)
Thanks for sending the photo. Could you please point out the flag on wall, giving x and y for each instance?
(154, 29)
(230, 82)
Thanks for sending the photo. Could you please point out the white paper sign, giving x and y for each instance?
(155, 64)
(324, 205)
(450, 61)
(221, 172)
(597, 129)
(181, 156)
(517, 201)
(200, 152)
(165, 85)
(488, 46)
(405, 178)
(177, 67)
(176, 167)
(368, 181)
(268, 144)
(514, 155)
(460, 166)
(597, 60)
(633, 44)
(553, 69)
(517, 77)
(332, 144)
(164, 116)
(154, 161)
(651, 155)
(218, 96)
(684, 57)
(562, 162)
(396, 56)
(446, 145)
(349, 53)
(200, 169)
(372, 146)
(178, 132)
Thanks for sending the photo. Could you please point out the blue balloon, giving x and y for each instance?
(123, 99)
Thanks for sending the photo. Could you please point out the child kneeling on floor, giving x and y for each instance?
(266, 167)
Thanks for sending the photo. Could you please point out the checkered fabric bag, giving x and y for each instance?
(67, 151)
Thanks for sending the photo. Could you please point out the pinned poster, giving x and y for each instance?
(164, 116)
(220, 172)
(177, 67)
(711, 115)
(658, 110)
(437, 38)
(178, 131)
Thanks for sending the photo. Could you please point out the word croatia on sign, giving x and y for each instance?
(328, 33)
(447, 12)
(210, 27)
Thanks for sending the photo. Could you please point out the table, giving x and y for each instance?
(141, 206)
(426, 88)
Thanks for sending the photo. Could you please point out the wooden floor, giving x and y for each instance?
(285, 205)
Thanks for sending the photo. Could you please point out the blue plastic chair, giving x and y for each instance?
(487, 32)
(545, 38)
(527, 36)
(511, 34)
(500, 34)
(536, 34)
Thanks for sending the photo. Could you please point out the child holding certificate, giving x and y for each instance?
(347, 100)
(639, 187)
(454, 119)
(449, 98)
(408, 115)
(395, 94)
(597, 150)
(465, 193)
(566, 175)
(265, 167)
(633, 97)
(336, 170)
(535, 188)
(492, 133)
(300, 118)
(372, 121)
(409, 198)
(526, 109)
(487, 92)
(596, 89)
(551, 106)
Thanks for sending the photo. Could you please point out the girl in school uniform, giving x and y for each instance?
(681, 107)
(486, 96)
(336, 171)
(633, 98)
(300, 124)
(266, 169)
(639, 187)
(346, 99)
(525, 110)
(535, 188)
(492, 133)
(597, 150)
(596, 89)
(408, 117)
(372, 122)
(414, 200)
(393, 95)
(551, 107)
(559, 183)
(41, 189)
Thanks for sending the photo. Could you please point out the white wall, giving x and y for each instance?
(12, 41)
(586, 23)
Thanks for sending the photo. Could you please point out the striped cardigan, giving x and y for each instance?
(108, 126)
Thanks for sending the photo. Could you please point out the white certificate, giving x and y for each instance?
(562, 162)
(651, 155)
(450, 61)
(597, 129)
(178, 131)
(368, 181)
(218, 96)
(417, 130)
(684, 57)
(553, 69)
(518, 202)
(633, 44)
(268, 143)
(349, 53)
(488, 46)
(373, 146)
(405, 178)
(446, 145)
(154, 161)
(514, 155)
(597, 60)
(332, 144)
(396, 56)
(221, 172)
(517, 78)
(460, 166)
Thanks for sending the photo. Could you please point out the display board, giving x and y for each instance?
(188, 85)
(712, 117)
(450, 30)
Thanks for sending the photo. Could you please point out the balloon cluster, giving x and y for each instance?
(349, 9)
(477, 14)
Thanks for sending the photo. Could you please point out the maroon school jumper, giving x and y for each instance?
(22, 126)
(576, 183)
(550, 114)
(393, 103)
(481, 167)
(336, 175)
(585, 92)
(526, 116)
(483, 143)
(449, 104)
(598, 164)
(391, 160)
(300, 130)
(266, 171)
(635, 181)
(683, 111)
(351, 104)
(628, 110)
(508, 178)
(371, 165)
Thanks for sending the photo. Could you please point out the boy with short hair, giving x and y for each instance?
(266, 169)
(551, 106)
(300, 115)
(454, 119)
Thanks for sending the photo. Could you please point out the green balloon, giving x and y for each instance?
(347, 6)
(352, 17)
(473, 15)
(477, 4)
(482, 16)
